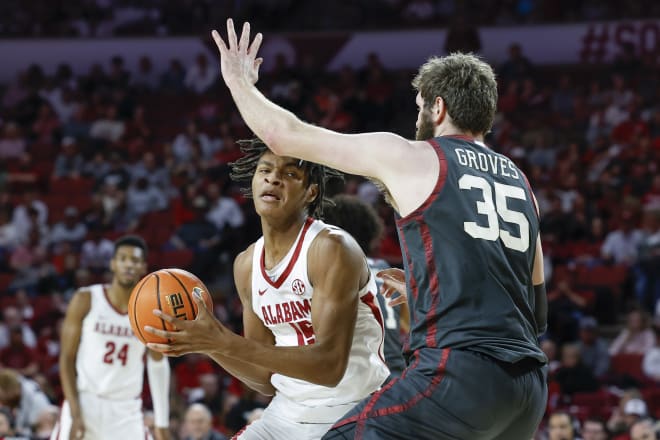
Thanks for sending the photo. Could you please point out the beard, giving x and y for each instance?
(426, 129)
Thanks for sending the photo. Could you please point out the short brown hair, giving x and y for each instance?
(467, 86)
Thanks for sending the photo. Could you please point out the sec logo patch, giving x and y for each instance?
(298, 287)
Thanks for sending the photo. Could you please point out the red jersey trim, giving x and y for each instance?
(107, 298)
(434, 283)
(368, 300)
(296, 253)
(439, 184)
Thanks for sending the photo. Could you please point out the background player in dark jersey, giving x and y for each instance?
(361, 221)
(469, 232)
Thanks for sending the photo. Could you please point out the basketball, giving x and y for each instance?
(169, 290)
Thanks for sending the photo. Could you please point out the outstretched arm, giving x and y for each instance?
(69, 341)
(386, 157)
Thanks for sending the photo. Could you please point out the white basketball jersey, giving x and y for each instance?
(282, 297)
(110, 359)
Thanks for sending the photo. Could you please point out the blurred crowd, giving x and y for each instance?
(85, 159)
(103, 18)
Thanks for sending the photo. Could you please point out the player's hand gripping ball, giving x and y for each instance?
(169, 290)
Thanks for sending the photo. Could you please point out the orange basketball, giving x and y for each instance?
(169, 290)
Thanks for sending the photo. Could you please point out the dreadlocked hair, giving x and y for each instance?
(243, 169)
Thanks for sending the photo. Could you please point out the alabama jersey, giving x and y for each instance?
(282, 298)
(110, 360)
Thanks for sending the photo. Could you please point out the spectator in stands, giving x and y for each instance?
(149, 168)
(200, 76)
(209, 393)
(573, 376)
(418, 12)
(143, 197)
(565, 306)
(593, 350)
(145, 78)
(182, 146)
(19, 356)
(651, 360)
(636, 338)
(462, 37)
(12, 143)
(643, 429)
(647, 269)
(549, 347)
(188, 373)
(202, 237)
(224, 213)
(108, 128)
(46, 125)
(561, 426)
(23, 220)
(197, 424)
(96, 252)
(23, 398)
(117, 173)
(11, 318)
(9, 237)
(46, 423)
(70, 230)
(237, 416)
(618, 421)
(634, 411)
(621, 245)
(68, 163)
(517, 66)
(6, 423)
(593, 428)
(33, 270)
(173, 78)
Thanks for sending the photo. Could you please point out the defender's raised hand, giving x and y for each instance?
(394, 281)
(238, 58)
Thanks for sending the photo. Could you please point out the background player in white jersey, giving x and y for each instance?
(313, 333)
(361, 221)
(102, 362)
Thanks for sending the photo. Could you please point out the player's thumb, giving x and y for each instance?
(199, 298)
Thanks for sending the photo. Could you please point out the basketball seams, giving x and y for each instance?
(160, 306)
(135, 310)
(185, 290)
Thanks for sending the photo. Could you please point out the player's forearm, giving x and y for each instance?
(270, 122)
(69, 388)
(255, 377)
(322, 364)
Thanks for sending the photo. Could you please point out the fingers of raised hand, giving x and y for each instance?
(222, 47)
(244, 43)
(256, 44)
(231, 35)
(397, 301)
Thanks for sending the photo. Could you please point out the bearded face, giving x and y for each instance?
(425, 127)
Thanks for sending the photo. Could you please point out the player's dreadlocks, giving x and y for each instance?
(244, 168)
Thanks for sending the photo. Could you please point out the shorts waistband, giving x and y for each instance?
(515, 369)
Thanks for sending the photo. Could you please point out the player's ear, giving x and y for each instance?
(112, 263)
(312, 192)
(439, 110)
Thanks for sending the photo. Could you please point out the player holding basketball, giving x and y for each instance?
(102, 363)
(313, 331)
(361, 221)
(469, 234)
